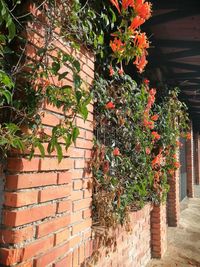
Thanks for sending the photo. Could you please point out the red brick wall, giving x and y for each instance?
(132, 248)
(197, 157)
(190, 164)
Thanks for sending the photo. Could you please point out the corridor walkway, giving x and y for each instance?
(184, 241)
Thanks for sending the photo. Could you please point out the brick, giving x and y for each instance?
(47, 164)
(79, 164)
(54, 193)
(65, 262)
(52, 255)
(16, 164)
(53, 225)
(75, 241)
(76, 195)
(85, 125)
(50, 119)
(30, 180)
(12, 256)
(88, 154)
(63, 206)
(37, 247)
(87, 193)
(20, 217)
(89, 135)
(16, 236)
(81, 204)
(87, 213)
(19, 199)
(75, 258)
(25, 264)
(76, 217)
(81, 253)
(79, 227)
(65, 177)
(76, 152)
(77, 184)
(62, 236)
(82, 143)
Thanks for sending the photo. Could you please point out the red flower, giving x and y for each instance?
(136, 22)
(147, 150)
(152, 91)
(141, 40)
(121, 71)
(117, 45)
(177, 164)
(143, 9)
(110, 105)
(148, 124)
(127, 3)
(155, 161)
(155, 117)
(116, 152)
(141, 62)
(155, 135)
(116, 4)
(188, 136)
(111, 71)
(146, 81)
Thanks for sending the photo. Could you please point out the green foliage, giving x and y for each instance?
(23, 90)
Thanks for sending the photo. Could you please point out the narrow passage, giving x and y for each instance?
(184, 240)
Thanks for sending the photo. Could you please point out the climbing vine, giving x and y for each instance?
(136, 126)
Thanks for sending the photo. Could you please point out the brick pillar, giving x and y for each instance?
(173, 202)
(190, 165)
(197, 158)
(158, 231)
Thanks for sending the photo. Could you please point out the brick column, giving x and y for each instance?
(158, 231)
(173, 202)
(197, 158)
(190, 165)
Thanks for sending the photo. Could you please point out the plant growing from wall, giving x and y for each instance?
(28, 84)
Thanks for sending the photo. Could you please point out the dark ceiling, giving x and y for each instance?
(174, 32)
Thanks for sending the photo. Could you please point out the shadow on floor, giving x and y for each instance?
(184, 241)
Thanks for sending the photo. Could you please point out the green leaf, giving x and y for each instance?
(59, 152)
(55, 67)
(77, 65)
(84, 112)
(68, 140)
(75, 133)
(41, 148)
(62, 75)
(7, 95)
(77, 81)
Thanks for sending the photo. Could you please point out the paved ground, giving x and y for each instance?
(184, 241)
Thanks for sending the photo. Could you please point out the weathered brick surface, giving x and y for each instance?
(132, 248)
(197, 157)
(158, 231)
(173, 200)
(190, 164)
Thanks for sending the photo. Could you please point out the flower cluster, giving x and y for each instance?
(129, 42)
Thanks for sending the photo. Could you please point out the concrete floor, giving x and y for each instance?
(184, 241)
